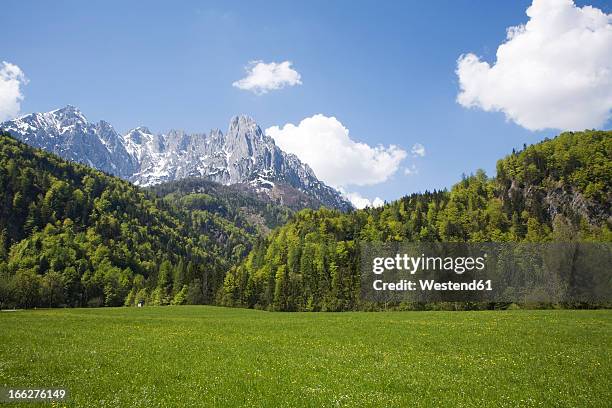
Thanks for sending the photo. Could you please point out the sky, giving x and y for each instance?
(381, 99)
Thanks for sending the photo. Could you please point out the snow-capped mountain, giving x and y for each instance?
(67, 133)
(244, 155)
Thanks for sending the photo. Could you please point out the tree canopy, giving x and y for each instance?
(557, 190)
(73, 236)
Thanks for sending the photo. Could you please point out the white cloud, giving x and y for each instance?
(553, 72)
(262, 77)
(418, 150)
(324, 143)
(411, 171)
(378, 202)
(362, 202)
(11, 79)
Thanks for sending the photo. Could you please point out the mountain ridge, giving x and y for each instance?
(243, 155)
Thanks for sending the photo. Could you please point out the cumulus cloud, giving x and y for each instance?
(264, 77)
(362, 202)
(11, 79)
(324, 143)
(418, 150)
(553, 72)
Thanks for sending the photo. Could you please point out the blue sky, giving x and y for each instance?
(385, 70)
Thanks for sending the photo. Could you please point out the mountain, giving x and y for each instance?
(244, 155)
(557, 190)
(71, 235)
(67, 133)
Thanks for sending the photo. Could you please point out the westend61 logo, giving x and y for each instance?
(486, 272)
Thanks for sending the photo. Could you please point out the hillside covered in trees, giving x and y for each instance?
(245, 209)
(557, 190)
(73, 236)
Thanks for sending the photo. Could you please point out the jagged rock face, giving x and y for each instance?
(67, 133)
(244, 155)
(558, 199)
(174, 156)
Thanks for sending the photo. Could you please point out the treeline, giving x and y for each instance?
(557, 190)
(73, 236)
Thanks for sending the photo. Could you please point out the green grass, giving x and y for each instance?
(207, 356)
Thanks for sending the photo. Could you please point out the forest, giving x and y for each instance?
(71, 236)
(557, 190)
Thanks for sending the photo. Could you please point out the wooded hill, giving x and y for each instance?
(557, 190)
(73, 236)
(245, 209)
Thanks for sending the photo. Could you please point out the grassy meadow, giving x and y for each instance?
(210, 356)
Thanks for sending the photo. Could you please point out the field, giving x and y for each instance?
(208, 356)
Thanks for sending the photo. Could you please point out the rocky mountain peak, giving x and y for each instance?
(244, 155)
(243, 124)
(69, 115)
(142, 129)
(68, 110)
(244, 137)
